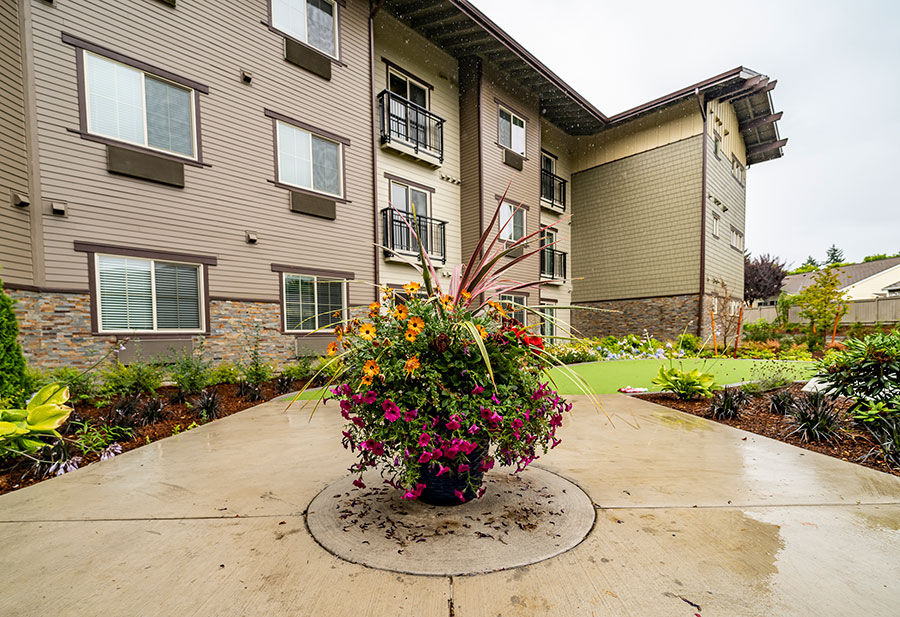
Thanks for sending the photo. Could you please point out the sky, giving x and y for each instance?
(838, 69)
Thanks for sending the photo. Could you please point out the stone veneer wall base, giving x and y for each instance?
(662, 318)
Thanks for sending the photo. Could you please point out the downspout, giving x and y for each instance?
(700, 314)
(375, 139)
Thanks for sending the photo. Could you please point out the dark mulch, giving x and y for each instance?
(852, 444)
(12, 470)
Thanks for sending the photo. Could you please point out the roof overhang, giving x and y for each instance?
(461, 30)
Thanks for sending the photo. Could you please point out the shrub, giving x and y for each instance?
(126, 411)
(12, 362)
(686, 384)
(152, 411)
(759, 350)
(190, 372)
(35, 427)
(814, 417)
(225, 373)
(727, 404)
(91, 438)
(885, 429)
(284, 384)
(781, 403)
(299, 370)
(250, 391)
(797, 353)
(869, 368)
(857, 330)
(82, 384)
(255, 371)
(689, 343)
(761, 331)
(136, 378)
(208, 404)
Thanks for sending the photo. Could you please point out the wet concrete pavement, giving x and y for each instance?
(693, 518)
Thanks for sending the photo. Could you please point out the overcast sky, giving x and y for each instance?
(838, 69)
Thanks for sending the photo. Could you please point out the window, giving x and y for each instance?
(738, 170)
(512, 131)
(135, 107)
(514, 306)
(311, 302)
(408, 122)
(715, 226)
(308, 161)
(548, 322)
(548, 163)
(313, 22)
(512, 222)
(737, 239)
(406, 198)
(148, 295)
(717, 144)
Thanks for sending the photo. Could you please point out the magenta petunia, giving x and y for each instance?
(473, 429)
(424, 440)
(463, 468)
(460, 495)
(442, 470)
(410, 415)
(425, 458)
(359, 483)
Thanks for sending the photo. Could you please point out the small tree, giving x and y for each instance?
(811, 262)
(822, 301)
(763, 277)
(834, 256)
(12, 362)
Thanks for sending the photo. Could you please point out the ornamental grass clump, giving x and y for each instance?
(437, 386)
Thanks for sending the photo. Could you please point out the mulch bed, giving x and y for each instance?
(852, 444)
(178, 416)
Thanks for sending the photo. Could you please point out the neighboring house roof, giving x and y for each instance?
(462, 30)
(892, 287)
(850, 275)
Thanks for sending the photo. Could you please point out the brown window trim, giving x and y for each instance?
(718, 218)
(521, 115)
(81, 46)
(415, 185)
(298, 189)
(734, 159)
(306, 126)
(716, 134)
(92, 248)
(517, 204)
(341, 4)
(403, 71)
(739, 250)
(283, 269)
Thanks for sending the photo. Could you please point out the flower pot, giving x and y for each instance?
(441, 490)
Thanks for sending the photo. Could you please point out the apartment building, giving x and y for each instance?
(184, 171)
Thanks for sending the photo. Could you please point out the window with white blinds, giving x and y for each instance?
(308, 161)
(313, 22)
(148, 295)
(129, 105)
(312, 302)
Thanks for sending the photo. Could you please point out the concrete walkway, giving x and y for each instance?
(694, 518)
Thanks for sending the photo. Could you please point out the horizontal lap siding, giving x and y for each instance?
(470, 153)
(411, 52)
(210, 43)
(15, 230)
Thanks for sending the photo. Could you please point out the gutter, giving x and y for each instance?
(700, 311)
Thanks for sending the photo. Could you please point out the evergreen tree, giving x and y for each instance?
(834, 256)
(810, 261)
(12, 362)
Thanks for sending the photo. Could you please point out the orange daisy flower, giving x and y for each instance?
(416, 324)
(481, 330)
(401, 312)
(466, 295)
(367, 331)
(339, 333)
(374, 310)
(371, 368)
(447, 303)
(497, 307)
(412, 288)
(411, 365)
(366, 381)
(411, 335)
(332, 349)
(387, 293)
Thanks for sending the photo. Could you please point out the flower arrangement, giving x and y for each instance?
(437, 388)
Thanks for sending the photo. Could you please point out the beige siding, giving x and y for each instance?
(221, 202)
(722, 119)
(723, 262)
(407, 49)
(656, 129)
(636, 227)
(471, 212)
(15, 231)
(525, 185)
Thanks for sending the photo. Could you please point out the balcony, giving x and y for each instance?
(398, 237)
(410, 129)
(553, 264)
(553, 190)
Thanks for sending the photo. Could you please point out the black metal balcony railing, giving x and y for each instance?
(553, 263)
(397, 236)
(405, 122)
(553, 189)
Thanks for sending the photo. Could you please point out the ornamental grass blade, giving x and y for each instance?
(481, 349)
(429, 275)
(477, 256)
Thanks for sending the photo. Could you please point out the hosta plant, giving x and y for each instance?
(439, 385)
(25, 431)
(686, 384)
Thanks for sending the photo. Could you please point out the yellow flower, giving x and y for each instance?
(466, 295)
(497, 308)
(416, 324)
(387, 293)
(412, 288)
(367, 381)
(371, 368)
(447, 303)
(411, 365)
(332, 349)
(339, 333)
(411, 335)
(481, 330)
(367, 331)
(401, 312)
(374, 310)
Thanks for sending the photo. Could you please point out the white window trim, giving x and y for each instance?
(510, 228)
(337, 32)
(201, 304)
(146, 143)
(408, 80)
(340, 146)
(512, 115)
(315, 278)
(715, 225)
(519, 300)
(409, 188)
(737, 239)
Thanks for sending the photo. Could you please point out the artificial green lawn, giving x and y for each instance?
(607, 377)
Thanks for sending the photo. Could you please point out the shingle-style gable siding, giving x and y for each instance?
(722, 261)
(15, 231)
(636, 226)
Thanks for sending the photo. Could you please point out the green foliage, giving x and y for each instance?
(226, 372)
(190, 372)
(761, 331)
(759, 350)
(823, 300)
(727, 404)
(689, 343)
(136, 378)
(868, 412)
(302, 369)
(90, 438)
(868, 368)
(12, 362)
(32, 428)
(796, 352)
(686, 384)
(857, 330)
(783, 308)
(208, 404)
(834, 256)
(329, 367)
(806, 267)
(782, 402)
(814, 417)
(256, 371)
(82, 384)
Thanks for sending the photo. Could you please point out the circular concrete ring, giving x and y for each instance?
(521, 520)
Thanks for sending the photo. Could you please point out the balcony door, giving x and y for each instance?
(408, 199)
(409, 122)
(547, 262)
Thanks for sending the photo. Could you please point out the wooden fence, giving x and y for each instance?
(868, 312)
